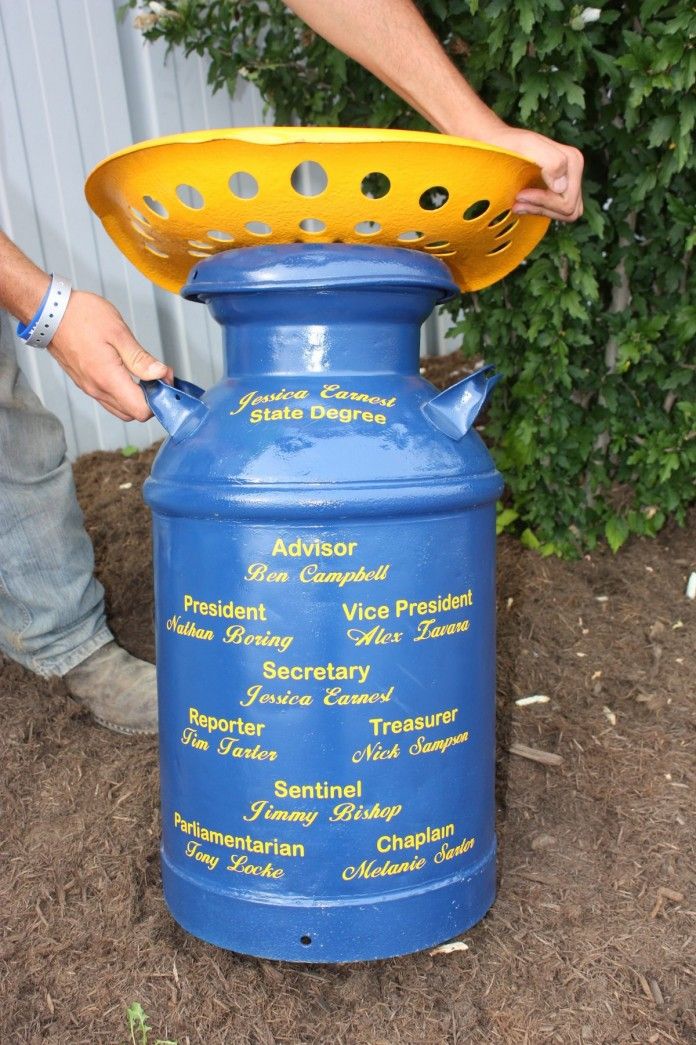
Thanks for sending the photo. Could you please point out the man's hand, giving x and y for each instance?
(561, 169)
(97, 350)
(92, 344)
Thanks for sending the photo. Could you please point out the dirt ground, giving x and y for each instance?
(593, 934)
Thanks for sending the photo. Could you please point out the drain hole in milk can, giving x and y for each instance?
(305, 940)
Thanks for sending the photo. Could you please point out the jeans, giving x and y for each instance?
(51, 605)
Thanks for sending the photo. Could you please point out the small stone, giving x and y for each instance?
(610, 715)
(543, 842)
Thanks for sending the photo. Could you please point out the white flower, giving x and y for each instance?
(586, 17)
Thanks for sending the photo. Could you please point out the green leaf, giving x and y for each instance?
(129, 450)
(530, 540)
(517, 51)
(440, 8)
(504, 519)
(137, 1023)
(616, 532)
(526, 15)
(661, 131)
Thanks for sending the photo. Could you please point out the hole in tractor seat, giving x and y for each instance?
(498, 218)
(410, 237)
(136, 214)
(140, 230)
(153, 250)
(312, 225)
(243, 185)
(258, 228)
(434, 197)
(156, 207)
(444, 254)
(200, 254)
(476, 210)
(434, 244)
(309, 178)
(499, 249)
(200, 245)
(368, 228)
(220, 236)
(508, 228)
(375, 185)
(189, 196)
(305, 940)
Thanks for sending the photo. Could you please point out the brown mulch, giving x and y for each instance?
(593, 934)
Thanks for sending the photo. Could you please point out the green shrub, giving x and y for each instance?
(594, 427)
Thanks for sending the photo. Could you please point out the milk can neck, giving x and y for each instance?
(316, 308)
(321, 332)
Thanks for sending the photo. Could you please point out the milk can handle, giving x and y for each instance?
(455, 410)
(177, 407)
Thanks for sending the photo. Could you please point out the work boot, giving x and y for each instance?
(118, 689)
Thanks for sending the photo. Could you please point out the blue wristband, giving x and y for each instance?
(24, 332)
(40, 329)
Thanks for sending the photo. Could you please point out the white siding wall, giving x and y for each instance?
(76, 85)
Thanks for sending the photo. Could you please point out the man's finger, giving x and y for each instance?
(137, 359)
(547, 212)
(109, 405)
(529, 201)
(555, 172)
(136, 404)
(116, 388)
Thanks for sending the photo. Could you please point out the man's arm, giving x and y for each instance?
(92, 344)
(391, 39)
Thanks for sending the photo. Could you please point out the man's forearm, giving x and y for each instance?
(392, 40)
(22, 283)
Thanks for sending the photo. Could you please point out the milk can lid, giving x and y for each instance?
(317, 266)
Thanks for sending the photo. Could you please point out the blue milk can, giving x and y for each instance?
(324, 566)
